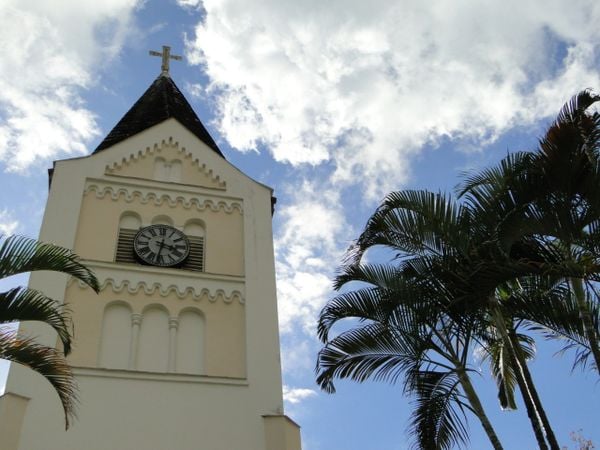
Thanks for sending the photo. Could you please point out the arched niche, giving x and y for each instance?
(153, 347)
(129, 224)
(160, 169)
(190, 342)
(116, 336)
(130, 220)
(175, 169)
(167, 170)
(194, 227)
(162, 220)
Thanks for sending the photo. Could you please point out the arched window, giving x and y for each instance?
(116, 336)
(129, 224)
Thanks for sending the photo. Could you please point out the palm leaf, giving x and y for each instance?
(368, 352)
(439, 417)
(416, 222)
(21, 305)
(19, 254)
(48, 362)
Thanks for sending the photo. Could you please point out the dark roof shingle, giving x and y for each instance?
(161, 101)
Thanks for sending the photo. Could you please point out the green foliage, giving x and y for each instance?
(17, 255)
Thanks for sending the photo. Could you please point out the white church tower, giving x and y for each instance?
(180, 350)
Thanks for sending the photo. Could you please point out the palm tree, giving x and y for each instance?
(552, 196)
(18, 255)
(521, 250)
(407, 326)
(448, 250)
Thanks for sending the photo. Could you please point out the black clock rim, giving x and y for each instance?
(152, 263)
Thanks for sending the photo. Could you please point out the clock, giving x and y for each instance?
(161, 245)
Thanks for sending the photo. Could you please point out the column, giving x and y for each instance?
(173, 325)
(136, 320)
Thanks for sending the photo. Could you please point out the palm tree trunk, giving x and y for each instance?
(473, 398)
(533, 391)
(586, 319)
(532, 413)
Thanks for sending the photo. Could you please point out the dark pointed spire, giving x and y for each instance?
(163, 100)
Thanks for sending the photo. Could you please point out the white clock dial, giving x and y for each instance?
(161, 245)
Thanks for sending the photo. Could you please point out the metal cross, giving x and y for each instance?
(166, 55)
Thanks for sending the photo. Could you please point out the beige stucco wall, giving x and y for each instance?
(193, 172)
(103, 203)
(282, 433)
(222, 408)
(224, 334)
(12, 411)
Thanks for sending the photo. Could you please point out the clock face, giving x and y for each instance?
(161, 245)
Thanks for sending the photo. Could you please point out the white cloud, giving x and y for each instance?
(50, 52)
(306, 251)
(193, 4)
(296, 395)
(8, 223)
(364, 85)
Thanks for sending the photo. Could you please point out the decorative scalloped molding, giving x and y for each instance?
(157, 148)
(146, 197)
(149, 289)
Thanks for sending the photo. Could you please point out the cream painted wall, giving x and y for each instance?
(222, 408)
(224, 327)
(188, 170)
(105, 203)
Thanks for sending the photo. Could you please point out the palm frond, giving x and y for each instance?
(555, 314)
(438, 421)
(48, 362)
(364, 304)
(20, 254)
(575, 107)
(22, 304)
(368, 352)
(496, 353)
(416, 222)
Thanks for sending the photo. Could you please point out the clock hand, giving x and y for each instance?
(162, 244)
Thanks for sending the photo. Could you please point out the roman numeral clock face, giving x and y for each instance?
(161, 245)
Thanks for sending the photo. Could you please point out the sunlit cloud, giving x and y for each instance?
(365, 86)
(8, 223)
(296, 395)
(306, 251)
(51, 52)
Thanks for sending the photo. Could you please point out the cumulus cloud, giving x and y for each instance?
(357, 89)
(8, 223)
(363, 86)
(193, 4)
(296, 395)
(50, 52)
(307, 252)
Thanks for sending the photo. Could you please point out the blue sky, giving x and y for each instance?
(333, 104)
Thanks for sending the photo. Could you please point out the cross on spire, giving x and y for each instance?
(166, 55)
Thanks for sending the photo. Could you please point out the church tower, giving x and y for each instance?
(180, 349)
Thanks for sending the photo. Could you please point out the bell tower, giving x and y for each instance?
(180, 350)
